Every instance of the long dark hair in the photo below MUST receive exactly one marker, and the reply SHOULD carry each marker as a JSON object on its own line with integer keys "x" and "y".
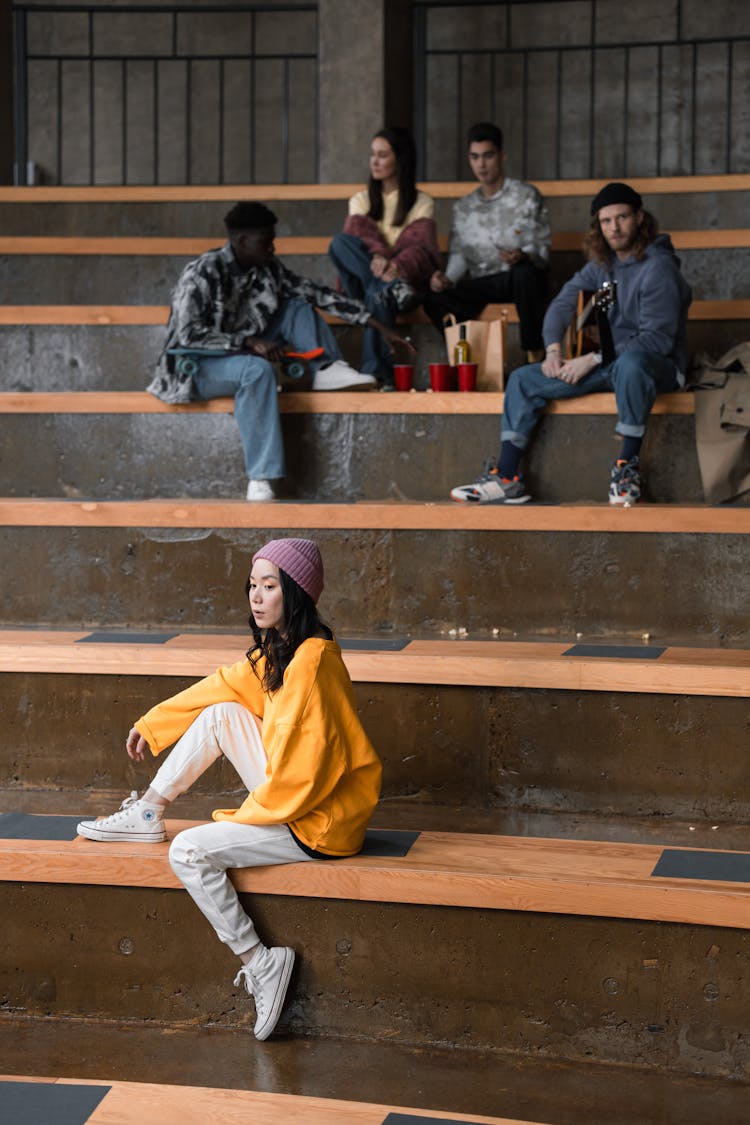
{"x": 597, "y": 249}
{"x": 301, "y": 620}
{"x": 405, "y": 151}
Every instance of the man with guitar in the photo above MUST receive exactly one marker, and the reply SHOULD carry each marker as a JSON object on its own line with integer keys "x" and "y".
{"x": 640, "y": 302}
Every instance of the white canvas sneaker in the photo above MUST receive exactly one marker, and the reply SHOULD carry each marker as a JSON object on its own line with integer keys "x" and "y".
{"x": 266, "y": 979}
{"x": 134, "y": 821}
{"x": 339, "y": 376}
{"x": 260, "y": 492}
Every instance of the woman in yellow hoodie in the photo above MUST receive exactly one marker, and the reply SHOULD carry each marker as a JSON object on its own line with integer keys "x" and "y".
{"x": 286, "y": 719}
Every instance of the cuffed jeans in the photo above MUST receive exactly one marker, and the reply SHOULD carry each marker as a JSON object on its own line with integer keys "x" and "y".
{"x": 251, "y": 380}
{"x": 352, "y": 260}
{"x": 200, "y": 856}
{"x": 636, "y": 377}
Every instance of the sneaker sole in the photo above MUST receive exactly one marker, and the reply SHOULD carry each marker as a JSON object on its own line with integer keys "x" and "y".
{"x": 347, "y": 387}
{"x": 466, "y": 500}
{"x": 278, "y": 1003}
{"x": 621, "y": 501}
{"x": 121, "y": 837}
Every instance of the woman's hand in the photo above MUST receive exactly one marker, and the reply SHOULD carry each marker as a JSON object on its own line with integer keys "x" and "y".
{"x": 378, "y": 265}
{"x": 391, "y": 273}
{"x": 136, "y": 746}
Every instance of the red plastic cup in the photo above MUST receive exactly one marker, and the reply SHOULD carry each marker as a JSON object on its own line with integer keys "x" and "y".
{"x": 467, "y": 376}
{"x": 442, "y": 376}
{"x": 403, "y": 376}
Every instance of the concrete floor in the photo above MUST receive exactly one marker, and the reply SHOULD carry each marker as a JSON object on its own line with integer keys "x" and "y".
{"x": 454, "y": 1080}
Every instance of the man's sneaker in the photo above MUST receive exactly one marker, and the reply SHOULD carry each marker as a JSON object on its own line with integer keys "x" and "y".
{"x": 134, "y": 822}
{"x": 625, "y": 482}
{"x": 260, "y": 492}
{"x": 491, "y": 488}
{"x": 266, "y": 979}
{"x": 339, "y": 376}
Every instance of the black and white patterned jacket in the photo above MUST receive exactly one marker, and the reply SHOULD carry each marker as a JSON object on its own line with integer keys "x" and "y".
{"x": 216, "y": 304}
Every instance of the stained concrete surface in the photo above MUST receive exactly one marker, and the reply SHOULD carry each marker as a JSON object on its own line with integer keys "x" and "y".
{"x": 654, "y": 994}
{"x": 330, "y": 457}
{"x": 382, "y": 583}
{"x": 441, "y": 1079}
{"x": 471, "y": 756}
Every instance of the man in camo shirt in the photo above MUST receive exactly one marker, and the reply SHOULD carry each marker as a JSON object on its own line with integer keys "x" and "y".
{"x": 234, "y": 311}
{"x": 499, "y": 246}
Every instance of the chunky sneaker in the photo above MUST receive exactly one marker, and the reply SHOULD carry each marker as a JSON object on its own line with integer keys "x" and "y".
{"x": 134, "y": 822}
{"x": 625, "y": 482}
{"x": 266, "y": 979}
{"x": 339, "y": 376}
{"x": 260, "y": 492}
{"x": 491, "y": 488}
{"x": 402, "y": 295}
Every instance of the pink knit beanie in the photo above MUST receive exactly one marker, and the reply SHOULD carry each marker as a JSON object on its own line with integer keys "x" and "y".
{"x": 301, "y": 560}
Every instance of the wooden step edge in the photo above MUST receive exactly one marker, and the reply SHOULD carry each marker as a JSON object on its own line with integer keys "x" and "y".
{"x": 144, "y": 315}
{"x": 546, "y": 876}
{"x": 389, "y": 516}
{"x": 318, "y": 402}
{"x": 729, "y": 677}
{"x": 438, "y": 189}
{"x": 138, "y": 1103}
{"x": 311, "y": 245}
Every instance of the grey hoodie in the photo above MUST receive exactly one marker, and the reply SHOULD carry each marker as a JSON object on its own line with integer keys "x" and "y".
{"x": 650, "y": 311}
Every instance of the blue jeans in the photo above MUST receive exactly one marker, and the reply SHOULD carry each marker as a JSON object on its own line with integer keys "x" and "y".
{"x": 352, "y": 260}
{"x": 251, "y": 380}
{"x": 636, "y": 377}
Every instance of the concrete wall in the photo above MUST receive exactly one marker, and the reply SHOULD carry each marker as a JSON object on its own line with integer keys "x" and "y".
{"x": 581, "y": 87}
{"x": 590, "y": 87}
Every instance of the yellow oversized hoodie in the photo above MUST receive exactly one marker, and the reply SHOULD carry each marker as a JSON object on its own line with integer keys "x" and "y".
{"x": 323, "y": 775}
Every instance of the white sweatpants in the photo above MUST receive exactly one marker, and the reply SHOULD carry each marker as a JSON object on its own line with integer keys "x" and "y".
{"x": 200, "y": 856}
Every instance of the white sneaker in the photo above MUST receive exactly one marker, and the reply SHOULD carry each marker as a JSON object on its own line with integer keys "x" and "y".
{"x": 260, "y": 492}
{"x": 266, "y": 978}
{"x": 134, "y": 821}
{"x": 339, "y": 376}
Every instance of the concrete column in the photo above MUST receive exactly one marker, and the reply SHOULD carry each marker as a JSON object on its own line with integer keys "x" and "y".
{"x": 365, "y": 75}
{"x": 6, "y": 92}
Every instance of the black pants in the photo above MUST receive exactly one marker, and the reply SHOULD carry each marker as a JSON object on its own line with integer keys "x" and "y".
{"x": 524, "y": 285}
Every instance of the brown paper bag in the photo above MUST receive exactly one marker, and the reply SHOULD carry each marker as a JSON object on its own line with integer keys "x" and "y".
{"x": 487, "y": 343}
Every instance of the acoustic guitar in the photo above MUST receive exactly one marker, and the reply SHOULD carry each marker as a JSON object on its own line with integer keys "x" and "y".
{"x": 583, "y": 334}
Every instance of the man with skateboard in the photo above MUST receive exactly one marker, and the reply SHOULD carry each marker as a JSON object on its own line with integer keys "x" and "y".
{"x": 642, "y": 317}
{"x": 236, "y": 312}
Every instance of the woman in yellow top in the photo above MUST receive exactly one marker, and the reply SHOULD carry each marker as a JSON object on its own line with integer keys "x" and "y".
{"x": 285, "y": 717}
{"x": 388, "y": 250}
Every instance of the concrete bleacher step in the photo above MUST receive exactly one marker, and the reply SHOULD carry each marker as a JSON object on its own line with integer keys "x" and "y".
{"x": 133, "y": 1103}
{"x": 142, "y": 269}
{"x": 553, "y": 748}
{"x": 161, "y": 564}
{"x": 416, "y": 445}
{"x": 490, "y": 944}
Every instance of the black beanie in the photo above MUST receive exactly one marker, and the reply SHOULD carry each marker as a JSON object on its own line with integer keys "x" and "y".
{"x": 616, "y": 193}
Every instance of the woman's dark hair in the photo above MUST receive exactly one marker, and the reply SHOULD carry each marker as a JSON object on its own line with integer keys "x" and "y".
{"x": 405, "y": 151}
{"x": 597, "y": 249}
{"x": 301, "y": 620}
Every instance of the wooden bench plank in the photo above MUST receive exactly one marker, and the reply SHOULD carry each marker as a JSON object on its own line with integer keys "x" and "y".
{"x": 380, "y": 515}
{"x": 711, "y": 239}
{"x": 590, "y": 878}
{"x": 158, "y": 314}
{"x": 312, "y": 402}
{"x": 495, "y": 663}
{"x": 136, "y": 1103}
{"x": 439, "y": 189}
